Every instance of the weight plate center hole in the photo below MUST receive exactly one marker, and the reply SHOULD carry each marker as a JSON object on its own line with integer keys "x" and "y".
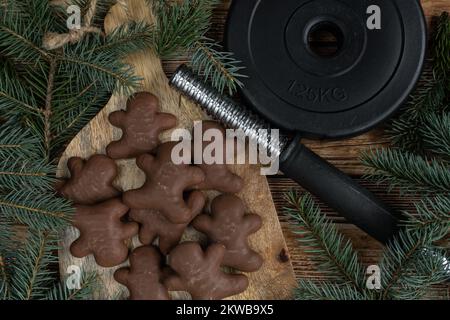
{"x": 325, "y": 39}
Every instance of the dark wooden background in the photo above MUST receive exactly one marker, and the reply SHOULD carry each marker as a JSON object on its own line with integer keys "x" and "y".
{"x": 345, "y": 155}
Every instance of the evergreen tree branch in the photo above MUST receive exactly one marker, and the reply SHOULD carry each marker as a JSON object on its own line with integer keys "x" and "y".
{"x": 114, "y": 76}
{"x": 430, "y": 268}
{"x": 310, "y": 290}
{"x": 432, "y": 95}
{"x": 180, "y": 25}
{"x": 128, "y": 38}
{"x": 219, "y": 67}
{"x": 433, "y": 214}
{"x": 38, "y": 210}
{"x": 6, "y": 241}
{"x": 16, "y": 142}
{"x": 14, "y": 96}
{"x": 31, "y": 267}
{"x": 410, "y": 172}
{"x": 61, "y": 292}
{"x": 48, "y": 107}
{"x": 410, "y": 265}
{"x": 322, "y": 240}
{"x": 71, "y": 116}
{"x": 436, "y": 134}
{"x": 441, "y": 48}
{"x": 19, "y": 39}
{"x": 26, "y": 174}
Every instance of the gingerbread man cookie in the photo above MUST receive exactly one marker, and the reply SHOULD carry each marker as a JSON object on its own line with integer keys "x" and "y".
{"x": 103, "y": 233}
{"x": 165, "y": 184}
{"x": 218, "y": 176}
{"x": 90, "y": 181}
{"x": 155, "y": 225}
{"x": 141, "y": 123}
{"x": 143, "y": 277}
{"x": 199, "y": 273}
{"x": 230, "y": 226}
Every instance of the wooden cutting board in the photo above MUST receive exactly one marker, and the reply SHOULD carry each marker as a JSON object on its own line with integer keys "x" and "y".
{"x": 276, "y": 279}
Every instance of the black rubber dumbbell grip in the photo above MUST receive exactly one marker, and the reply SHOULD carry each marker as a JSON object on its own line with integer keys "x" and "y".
{"x": 338, "y": 191}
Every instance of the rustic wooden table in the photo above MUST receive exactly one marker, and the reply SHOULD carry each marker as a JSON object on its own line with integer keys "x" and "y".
{"x": 345, "y": 155}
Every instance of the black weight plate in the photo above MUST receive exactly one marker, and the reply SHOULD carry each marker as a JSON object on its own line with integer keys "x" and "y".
{"x": 346, "y": 94}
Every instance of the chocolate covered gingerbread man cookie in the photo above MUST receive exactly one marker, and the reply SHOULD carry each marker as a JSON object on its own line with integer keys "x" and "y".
{"x": 155, "y": 225}
{"x": 230, "y": 226}
{"x": 103, "y": 233}
{"x": 143, "y": 277}
{"x": 218, "y": 176}
{"x": 199, "y": 273}
{"x": 90, "y": 181}
{"x": 141, "y": 123}
{"x": 165, "y": 184}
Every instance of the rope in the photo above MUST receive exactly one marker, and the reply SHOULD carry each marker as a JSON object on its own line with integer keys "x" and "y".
{"x": 54, "y": 40}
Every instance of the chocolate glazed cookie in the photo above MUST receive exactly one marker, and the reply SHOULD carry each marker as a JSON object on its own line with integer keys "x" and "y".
{"x": 143, "y": 277}
{"x": 90, "y": 181}
{"x": 165, "y": 184}
{"x": 218, "y": 176}
{"x": 199, "y": 273}
{"x": 155, "y": 225}
{"x": 103, "y": 233}
{"x": 141, "y": 123}
{"x": 230, "y": 226}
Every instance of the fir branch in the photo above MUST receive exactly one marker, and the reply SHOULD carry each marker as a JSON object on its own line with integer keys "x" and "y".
{"x": 431, "y": 268}
{"x": 410, "y": 172}
{"x": 410, "y": 265}
{"x": 71, "y": 115}
{"x": 327, "y": 246}
{"x": 6, "y": 241}
{"x": 83, "y": 67}
{"x": 432, "y": 95}
{"x": 87, "y": 286}
{"x": 15, "y": 97}
{"x": 19, "y": 173}
{"x": 128, "y": 38}
{"x": 436, "y": 134}
{"x": 15, "y": 142}
{"x": 432, "y": 214}
{"x": 19, "y": 39}
{"x": 32, "y": 274}
{"x": 310, "y": 290}
{"x": 48, "y": 107}
{"x": 219, "y": 67}
{"x": 441, "y": 48}
{"x": 180, "y": 25}
{"x": 39, "y": 210}
{"x": 37, "y": 12}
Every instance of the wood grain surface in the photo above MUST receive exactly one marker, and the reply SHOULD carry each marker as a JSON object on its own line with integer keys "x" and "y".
{"x": 276, "y": 278}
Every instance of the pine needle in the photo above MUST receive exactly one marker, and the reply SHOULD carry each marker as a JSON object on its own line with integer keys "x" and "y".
{"x": 60, "y": 291}
{"x": 180, "y": 24}
{"x": 219, "y": 67}
{"x": 436, "y": 134}
{"x": 322, "y": 241}
{"x": 408, "y": 171}
{"x": 32, "y": 274}
{"x": 310, "y": 290}
{"x": 431, "y": 213}
{"x": 40, "y": 211}
{"x": 410, "y": 265}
